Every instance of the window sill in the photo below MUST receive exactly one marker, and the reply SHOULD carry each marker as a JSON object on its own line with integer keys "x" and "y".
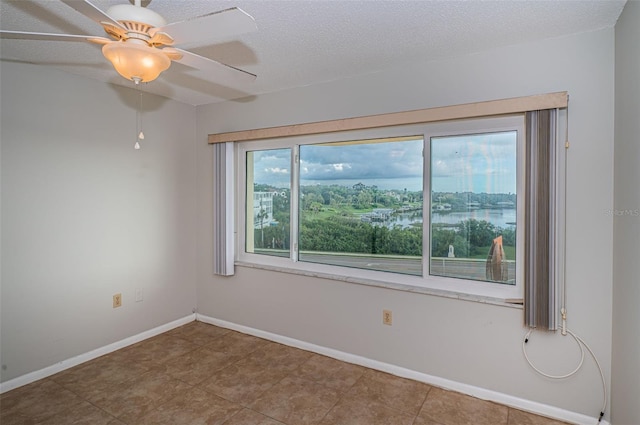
{"x": 387, "y": 285}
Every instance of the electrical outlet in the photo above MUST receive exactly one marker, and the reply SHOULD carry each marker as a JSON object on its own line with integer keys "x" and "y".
{"x": 139, "y": 295}
{"x": 387, "y": 317}
{"x": 117, "y": 300}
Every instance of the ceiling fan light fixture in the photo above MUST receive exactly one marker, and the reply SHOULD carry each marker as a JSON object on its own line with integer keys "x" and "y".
{"x": 136, "y": 61}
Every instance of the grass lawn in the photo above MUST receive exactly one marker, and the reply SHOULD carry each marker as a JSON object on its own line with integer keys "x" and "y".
{"x": 342, "y": 210}
{"x": 509, "y": 252}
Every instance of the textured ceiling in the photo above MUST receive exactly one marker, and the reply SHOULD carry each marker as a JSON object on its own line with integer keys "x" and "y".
{"x": 305, "y": 42}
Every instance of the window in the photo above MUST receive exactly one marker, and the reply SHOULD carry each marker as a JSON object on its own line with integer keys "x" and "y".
{"x": 360, "y": 204}
{"x": 268, "y": 200}
{"x": 473, "y": 206}
{"x": 432, "y": 205}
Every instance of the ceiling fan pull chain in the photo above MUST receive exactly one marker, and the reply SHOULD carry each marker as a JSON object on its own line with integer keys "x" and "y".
{"x": 140, "y": 134}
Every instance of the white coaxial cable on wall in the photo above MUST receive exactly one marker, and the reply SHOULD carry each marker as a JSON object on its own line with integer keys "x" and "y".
{"x": 582, "y": 345}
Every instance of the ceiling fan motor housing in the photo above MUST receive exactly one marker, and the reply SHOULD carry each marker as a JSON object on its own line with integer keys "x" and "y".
{"x": 136, "y": 19}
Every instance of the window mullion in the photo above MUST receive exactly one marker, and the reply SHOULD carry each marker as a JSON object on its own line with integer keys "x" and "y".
{"x": 294, "y": 202}
{"x": 426, "y": 205}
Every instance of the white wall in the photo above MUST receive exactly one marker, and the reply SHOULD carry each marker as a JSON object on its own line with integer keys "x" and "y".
{"x": 85, "y": 216}
{"x": 468, "y": 342}
{"x": 625, "y": 380}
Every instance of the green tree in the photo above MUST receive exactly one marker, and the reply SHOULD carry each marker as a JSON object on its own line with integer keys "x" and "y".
{"x": 441, "y": 238}
{"x": 364, "y": 200}
{"x": 479, "y": 232}
{"x": 262, "y": 214}
{"x": 508, "y": 236}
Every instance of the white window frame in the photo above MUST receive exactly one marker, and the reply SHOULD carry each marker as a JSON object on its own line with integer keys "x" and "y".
{"x": 454, "y": 287}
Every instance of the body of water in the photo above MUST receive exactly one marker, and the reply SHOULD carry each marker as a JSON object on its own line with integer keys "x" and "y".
{"x": 498, "y": 217}
{"x": 504, "y": 218}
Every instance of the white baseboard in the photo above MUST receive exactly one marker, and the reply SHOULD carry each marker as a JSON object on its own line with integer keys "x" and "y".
{"x": 482, "y": 393}
{"x": 75, "y": 361}
{"x": 478, "y": 392}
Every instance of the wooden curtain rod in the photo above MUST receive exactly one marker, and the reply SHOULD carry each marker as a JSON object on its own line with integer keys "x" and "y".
{"x": 444, "y": 113}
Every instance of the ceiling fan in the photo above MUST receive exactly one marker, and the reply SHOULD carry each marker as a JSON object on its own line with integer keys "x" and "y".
{"x": 140, "y": 47}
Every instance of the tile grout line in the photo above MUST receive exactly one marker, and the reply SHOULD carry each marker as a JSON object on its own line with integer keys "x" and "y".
{"x": 423, "y": 402}
{"x": 83, "y": 399}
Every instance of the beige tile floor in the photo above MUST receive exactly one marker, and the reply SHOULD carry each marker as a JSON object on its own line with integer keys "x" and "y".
{"x": 203, "y": 374}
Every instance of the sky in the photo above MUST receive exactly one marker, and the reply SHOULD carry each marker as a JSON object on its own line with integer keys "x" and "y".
{"x": 473, "y": 163}
{"x": 481, "y": 163}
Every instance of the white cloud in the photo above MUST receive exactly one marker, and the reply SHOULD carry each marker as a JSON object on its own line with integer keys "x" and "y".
{"x": 276, "y": 170}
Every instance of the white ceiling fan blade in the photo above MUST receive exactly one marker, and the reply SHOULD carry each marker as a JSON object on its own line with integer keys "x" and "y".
{"x": 213, "y": 26}
{"x": 22, "y": 35}
{"x": 91, "y": 11}
{"x": 221, "y": 73}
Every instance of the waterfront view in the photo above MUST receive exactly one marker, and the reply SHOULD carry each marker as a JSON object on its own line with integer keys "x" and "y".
{"x": 361, "y": 204}
{"x": 364, "y": 227}
{"x": 503, "y": 218}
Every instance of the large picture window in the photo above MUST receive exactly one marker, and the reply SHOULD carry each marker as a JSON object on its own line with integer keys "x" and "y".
{"x": 435, "y": 205}
{"x": 361, "y": 204}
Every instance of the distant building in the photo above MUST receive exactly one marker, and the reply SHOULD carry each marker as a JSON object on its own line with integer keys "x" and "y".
{"x": 441, "y": 207}
{"x": 377, "y": 215}
{"x": 506, "y": 204}
{"x": 262, "y": 209}
{"x": 473, "y": 205}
